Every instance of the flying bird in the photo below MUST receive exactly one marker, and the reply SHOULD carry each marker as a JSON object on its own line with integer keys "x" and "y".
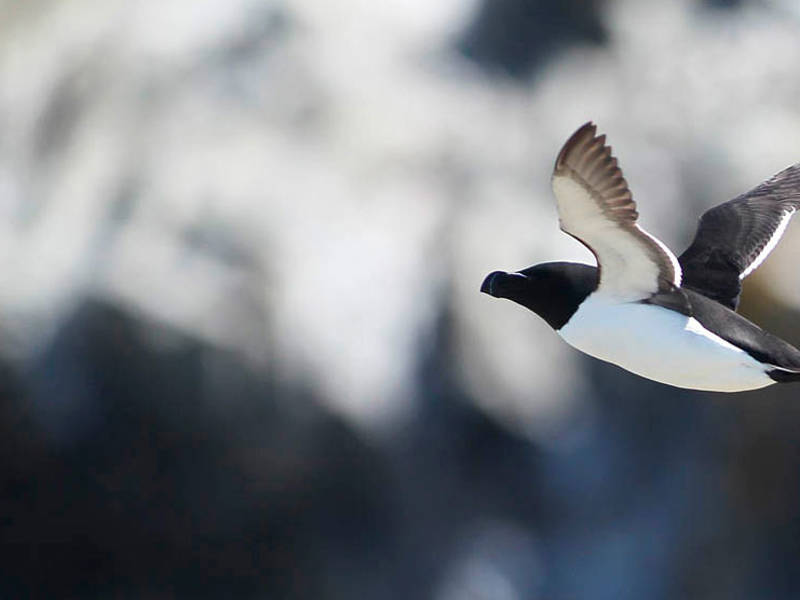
{"x": 668, "y": 319}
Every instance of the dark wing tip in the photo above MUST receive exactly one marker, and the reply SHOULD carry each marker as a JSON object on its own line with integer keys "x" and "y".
{"x": 586, "y": 157}
{"x": 584, "y": 134}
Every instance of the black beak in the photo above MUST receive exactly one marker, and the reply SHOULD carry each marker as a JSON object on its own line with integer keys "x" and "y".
{"x": 490, "y": 285}
{"x": 500, "y": 284}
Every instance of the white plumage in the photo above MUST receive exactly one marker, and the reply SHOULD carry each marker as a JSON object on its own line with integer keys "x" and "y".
{"x": 662, "y": 345}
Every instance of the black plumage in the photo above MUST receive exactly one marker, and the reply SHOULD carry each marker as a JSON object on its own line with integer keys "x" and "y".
{"x": 688, "y": 334}
{"x": 731, "y": 237}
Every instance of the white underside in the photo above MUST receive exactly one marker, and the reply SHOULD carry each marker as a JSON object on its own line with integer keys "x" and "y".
{"x": 662, "y": 345}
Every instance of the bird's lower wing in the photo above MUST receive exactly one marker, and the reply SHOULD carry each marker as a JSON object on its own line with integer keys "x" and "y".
{"x": 734, "y": 238}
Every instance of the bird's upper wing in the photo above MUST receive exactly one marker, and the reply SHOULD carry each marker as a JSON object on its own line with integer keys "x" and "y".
{"x": 734, "y": 238}
{"x": 595, "y": 206}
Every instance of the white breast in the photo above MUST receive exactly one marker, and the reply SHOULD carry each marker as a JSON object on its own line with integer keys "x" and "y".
{"x": 662, "y": 345}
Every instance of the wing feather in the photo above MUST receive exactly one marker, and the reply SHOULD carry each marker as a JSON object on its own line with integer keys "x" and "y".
{"x": 596, "y": 207}
{"x": 735, "y": 237}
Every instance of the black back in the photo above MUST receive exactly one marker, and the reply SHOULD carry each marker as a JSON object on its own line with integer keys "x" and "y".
{"x": 554, "y": 291}
{"x": 733, "y": 328}
{"x": 731, "y": 237}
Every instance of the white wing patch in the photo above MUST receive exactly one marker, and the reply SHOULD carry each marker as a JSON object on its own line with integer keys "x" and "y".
{"x": 770, "y": 245}
{"x": 625, "y": 253}
{"x": 694, "y": 326}
{"x": 676, "y": 265}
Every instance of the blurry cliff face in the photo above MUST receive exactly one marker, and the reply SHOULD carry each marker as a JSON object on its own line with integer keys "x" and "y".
{"x": 308, "y": 183}
{"x": 240, "y": 249}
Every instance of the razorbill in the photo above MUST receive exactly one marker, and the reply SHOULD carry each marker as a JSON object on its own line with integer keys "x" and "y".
{"x": 669, "y": 319}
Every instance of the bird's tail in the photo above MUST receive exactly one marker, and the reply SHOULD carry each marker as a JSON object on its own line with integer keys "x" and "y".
{"x": 784, "y": 375}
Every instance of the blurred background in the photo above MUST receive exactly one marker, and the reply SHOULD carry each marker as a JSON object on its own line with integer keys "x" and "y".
{"x": 242, "y": 348}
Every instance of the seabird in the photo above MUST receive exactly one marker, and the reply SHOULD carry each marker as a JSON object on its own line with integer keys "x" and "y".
{"x": 668, "y": 319}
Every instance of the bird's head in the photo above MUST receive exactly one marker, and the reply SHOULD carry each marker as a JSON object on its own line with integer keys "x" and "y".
{"x": 551, "y": 290}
